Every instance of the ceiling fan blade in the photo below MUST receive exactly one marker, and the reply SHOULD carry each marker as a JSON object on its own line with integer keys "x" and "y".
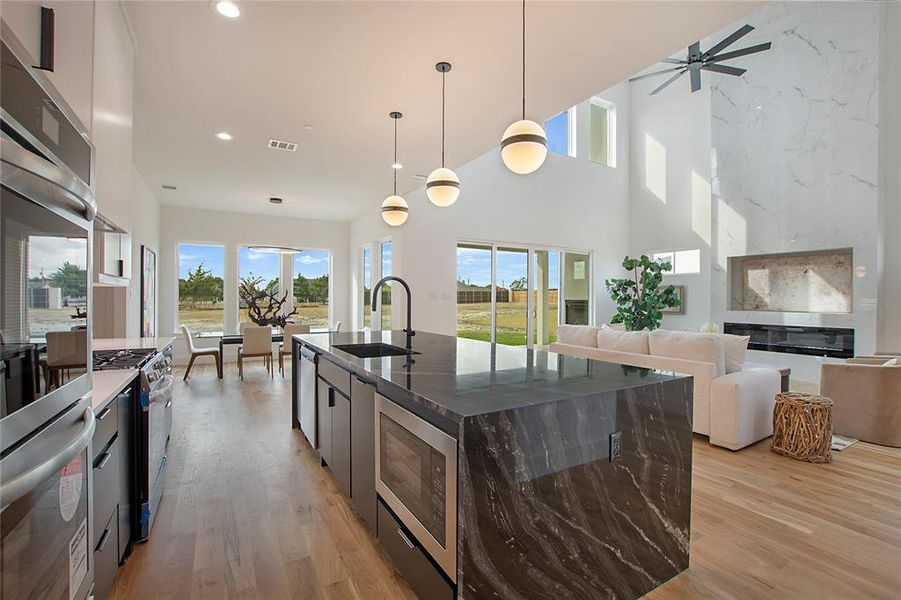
{"x": 673, "y": 61}
{"x": 694, "y": 51}
{"x": 646, "y": 75}
{"x": 742, "y": 52}
{"x": 695, "y": 80}
{"x": 725, "y": 69}
{"x": 729, "y": 40}
{"x": 669, "y": 81}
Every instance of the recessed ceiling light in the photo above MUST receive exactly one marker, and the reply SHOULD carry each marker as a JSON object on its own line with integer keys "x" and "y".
{"x": 397, "y": 165}
{"x": 227, "y": 9}
{"x": 275, "y": 200}
{"x": 224, "y": 136}
{"x": 308, "y": 127}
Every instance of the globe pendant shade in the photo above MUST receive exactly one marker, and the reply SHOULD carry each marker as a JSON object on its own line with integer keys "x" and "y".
{"x": 442, "y": 187}
{"x": 524, "y": 147}
{"x": 394, "y": 211}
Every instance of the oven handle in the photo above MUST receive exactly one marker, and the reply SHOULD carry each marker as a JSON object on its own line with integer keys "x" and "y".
{"x": 14, "y": 489}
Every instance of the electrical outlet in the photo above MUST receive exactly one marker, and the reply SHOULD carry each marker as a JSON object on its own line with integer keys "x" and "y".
{"x": 616, "y": 445}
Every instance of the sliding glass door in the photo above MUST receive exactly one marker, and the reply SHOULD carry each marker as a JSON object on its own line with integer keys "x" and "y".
{"x": 511, "y": 295}
{"x": 545, "y": 296}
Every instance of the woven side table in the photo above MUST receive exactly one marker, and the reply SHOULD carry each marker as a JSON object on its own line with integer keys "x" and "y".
{"x": 802, "y": 427}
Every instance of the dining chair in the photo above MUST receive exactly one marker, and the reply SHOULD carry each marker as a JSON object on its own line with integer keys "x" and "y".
{"x": 287, "y": 346}
{"x": 65, "y": 350}
{"x": 195, "y": 352}
{"x": 337, "y": 326}
{"x": 257, "y": 343}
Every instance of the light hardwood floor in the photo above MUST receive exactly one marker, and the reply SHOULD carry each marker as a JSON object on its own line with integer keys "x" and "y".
{"x": 248, "y": 513}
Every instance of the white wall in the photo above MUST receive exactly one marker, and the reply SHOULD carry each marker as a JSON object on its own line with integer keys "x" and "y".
{"x": 237, "y": 229}
{"x": 670, "y": 185}
{"x": 889, "y": 331}
{"x": 145, "y": 232}
{"x": 569, "y": 202}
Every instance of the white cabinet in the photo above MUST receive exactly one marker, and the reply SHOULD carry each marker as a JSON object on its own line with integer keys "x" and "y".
{"x": 73, "y": 69}
{"x": 112, "y": 124}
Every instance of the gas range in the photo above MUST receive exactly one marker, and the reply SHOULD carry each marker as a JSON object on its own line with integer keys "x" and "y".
{"x": 122, "y": 359}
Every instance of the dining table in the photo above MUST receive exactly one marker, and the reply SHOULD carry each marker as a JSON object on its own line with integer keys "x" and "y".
{"x": 233, "y": 339}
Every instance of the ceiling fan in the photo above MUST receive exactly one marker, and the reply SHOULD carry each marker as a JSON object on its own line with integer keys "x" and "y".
{"x": 707, "y": 61}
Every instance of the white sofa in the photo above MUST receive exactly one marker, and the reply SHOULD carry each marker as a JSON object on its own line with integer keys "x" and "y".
{"x": 733, "y": 404}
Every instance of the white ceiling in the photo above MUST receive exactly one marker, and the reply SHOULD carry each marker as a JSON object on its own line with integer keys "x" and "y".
{"x": 342, "y": 66}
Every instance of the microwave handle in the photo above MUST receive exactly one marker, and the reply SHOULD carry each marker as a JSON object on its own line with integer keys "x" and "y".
{"x": 20, "y": 485}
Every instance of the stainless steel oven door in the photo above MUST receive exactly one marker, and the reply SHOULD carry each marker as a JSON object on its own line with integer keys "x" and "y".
{"x": 416, "y": 475}
{"x": 46, "y": 548}
{"x": 45, "y": 233}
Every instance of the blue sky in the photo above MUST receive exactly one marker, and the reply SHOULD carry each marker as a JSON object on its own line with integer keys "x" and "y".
{"x": 191, "y": 255}
{"x": 474, "y": 266}
{"x": 556, "y": 131}
{"x": 261, "y": 263}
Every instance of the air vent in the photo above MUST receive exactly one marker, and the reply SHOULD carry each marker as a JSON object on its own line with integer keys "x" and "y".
{"x": 167, "y": 186}
{"x": 275, "y": 200}
{"x": 280, "y": 145}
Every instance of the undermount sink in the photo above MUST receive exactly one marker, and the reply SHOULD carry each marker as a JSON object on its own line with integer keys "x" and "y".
{"x": 374, "y": 350}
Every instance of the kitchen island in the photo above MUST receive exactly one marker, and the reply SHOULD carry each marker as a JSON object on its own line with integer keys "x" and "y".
{"x": 573, "y": 476}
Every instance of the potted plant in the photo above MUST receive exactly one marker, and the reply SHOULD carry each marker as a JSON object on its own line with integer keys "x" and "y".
{"x": 640, "y": 300}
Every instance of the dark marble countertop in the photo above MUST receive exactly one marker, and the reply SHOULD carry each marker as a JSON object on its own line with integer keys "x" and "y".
{"x": 455, "y": 378}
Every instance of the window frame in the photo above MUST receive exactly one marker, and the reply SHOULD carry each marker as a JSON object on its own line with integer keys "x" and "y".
{"x": 571, "y": 116}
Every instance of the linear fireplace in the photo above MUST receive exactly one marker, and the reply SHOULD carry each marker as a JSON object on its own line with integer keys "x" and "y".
{"x": 833, "y": 342}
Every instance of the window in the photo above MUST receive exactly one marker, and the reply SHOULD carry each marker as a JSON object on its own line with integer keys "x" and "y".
{"x": 474, "y": 292}
{"x": 311, "y": 287}
{"x": 200, "y": 296}
{"x": 684, "y": 262}
{"x": 560, "y": 131}
{"x": 367, "y": 285}
{"x": 511, "y": 295}
{"x": 386, "y": 289}
{"x": 258, "y": 271}
{"x": 602, "y": 131}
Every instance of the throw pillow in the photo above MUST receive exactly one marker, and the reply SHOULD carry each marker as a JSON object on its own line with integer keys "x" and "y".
{"x": 635, "y": 342}
{"x": 578, "y": 335}
{"x": 699, "y": 347}
{"x": 734, "y": 348}
{"x": 891, "y": 363}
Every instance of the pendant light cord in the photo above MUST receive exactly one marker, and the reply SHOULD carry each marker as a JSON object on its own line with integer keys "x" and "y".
{"x": 443, "y": 100}
{"x": 395, "y": 157}
{"x": 524, "y": 60}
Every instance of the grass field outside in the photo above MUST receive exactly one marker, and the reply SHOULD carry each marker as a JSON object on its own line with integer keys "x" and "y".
{"x": 210, "y": 319}
{"x": 474, "y": 322}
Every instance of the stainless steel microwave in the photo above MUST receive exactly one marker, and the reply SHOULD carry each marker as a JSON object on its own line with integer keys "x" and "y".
{"x": 416, "y": 475}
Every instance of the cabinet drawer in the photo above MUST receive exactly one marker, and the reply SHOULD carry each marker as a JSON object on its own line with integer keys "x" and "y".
{"x": 410, "y": 560}
{"x": 335, "y": 375}
{"x": 106, "y": 486}
{"x": 107, "y": 426}
{"x": 106, "y": 556}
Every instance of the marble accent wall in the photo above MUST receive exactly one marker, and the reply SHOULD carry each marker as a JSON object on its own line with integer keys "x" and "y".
{"x": 794, "y": 151}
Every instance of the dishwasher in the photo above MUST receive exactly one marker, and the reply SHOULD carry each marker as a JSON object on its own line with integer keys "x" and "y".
{"x": 306, "y": 398}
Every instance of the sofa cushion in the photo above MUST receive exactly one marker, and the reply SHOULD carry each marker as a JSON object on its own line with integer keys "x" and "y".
{"x": 703, "y": 347}
{"x": 578, "y": 335}
{"x": 734, "y": 349}
{"x": 616, "y": 326}
{"x": 635, "y": 342}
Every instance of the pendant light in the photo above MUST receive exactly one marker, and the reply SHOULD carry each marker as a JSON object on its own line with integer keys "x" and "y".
{"x": 524, "y": 144}
{"x": 443, "y": 185}
{"x": 394, "y": 208}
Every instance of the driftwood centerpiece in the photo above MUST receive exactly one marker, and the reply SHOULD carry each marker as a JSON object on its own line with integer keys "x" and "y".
{"x": 264, "y": 307}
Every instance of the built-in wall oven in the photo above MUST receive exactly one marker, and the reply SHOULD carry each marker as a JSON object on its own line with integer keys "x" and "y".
{"x": 46, "y": 421}
{"x": 416, "y": 476}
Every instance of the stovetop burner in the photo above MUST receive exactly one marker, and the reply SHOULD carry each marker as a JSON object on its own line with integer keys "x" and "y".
{"x": 122, "y": 359}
